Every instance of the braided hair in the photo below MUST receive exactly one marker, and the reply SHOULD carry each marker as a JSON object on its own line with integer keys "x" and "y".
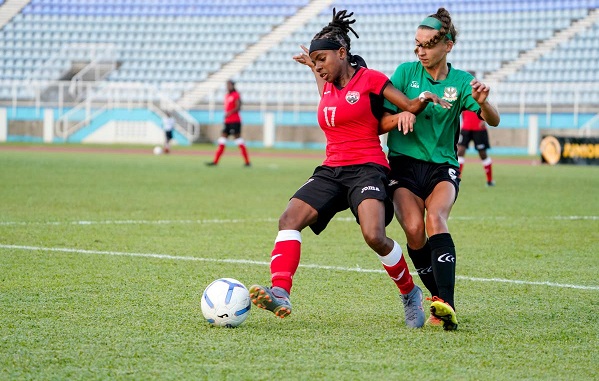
{"x": 446, "y": 32}
{"x": 338, "y": 31}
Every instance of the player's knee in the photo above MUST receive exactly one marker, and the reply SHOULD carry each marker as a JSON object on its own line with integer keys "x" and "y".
{"x": 239, "y": 141}
{"x": 414, "y": 231}
{"x": 222, "y": 141}
{"x": 436, "y": 222}
{"x": 293, "y": 221}
{"x": 375, "y": 239}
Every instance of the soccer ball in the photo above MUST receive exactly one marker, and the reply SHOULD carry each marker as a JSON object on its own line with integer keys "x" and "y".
{"x": 157, "y": 150}
{"x": 226, "y": 303}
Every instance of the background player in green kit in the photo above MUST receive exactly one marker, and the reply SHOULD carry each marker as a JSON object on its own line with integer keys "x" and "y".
{"x": 424, "y": 174}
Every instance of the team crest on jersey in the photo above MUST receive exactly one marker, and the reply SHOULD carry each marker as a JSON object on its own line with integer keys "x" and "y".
{"x": 352, "y": 97}
{"x": 415, "y": 85}
{"x": 450, "y": 94}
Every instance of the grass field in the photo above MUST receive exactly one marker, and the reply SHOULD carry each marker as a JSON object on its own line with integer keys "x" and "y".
{"x": 104, "y": 255}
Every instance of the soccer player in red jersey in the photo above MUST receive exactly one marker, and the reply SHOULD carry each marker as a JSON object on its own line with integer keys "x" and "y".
{"x": 353, "y": 174}
{"x": 232, "y": 105}
{"x": 475, "y": 129}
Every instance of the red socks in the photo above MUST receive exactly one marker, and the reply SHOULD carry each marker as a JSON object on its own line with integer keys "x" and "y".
{"x": 244, "y": 153}
{"x": 397, "y": 268}
{"x": 285, "y": 258}
{"x": 488, "y": 166}
{"x": 219, "y": 152}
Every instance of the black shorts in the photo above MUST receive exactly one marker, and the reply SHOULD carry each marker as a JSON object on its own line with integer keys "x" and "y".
{"x": 232, "y": 128}
{"x": 480, "y": 139}
{"x": 420, "y": 177}
{"x": 169, "y": 134}
{"x": 333, "y": 189}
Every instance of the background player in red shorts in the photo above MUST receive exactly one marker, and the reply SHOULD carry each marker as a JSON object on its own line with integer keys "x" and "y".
{"x": 475, "y": 129}
{"x": 232, "y": 105}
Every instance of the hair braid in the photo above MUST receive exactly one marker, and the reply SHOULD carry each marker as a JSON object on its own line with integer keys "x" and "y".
{"x": 447, "y": 27}
{"x": 338, "y": 30}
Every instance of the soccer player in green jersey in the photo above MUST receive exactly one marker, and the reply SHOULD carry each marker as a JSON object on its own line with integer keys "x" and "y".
{"x": 424, "y": 174}
{"x": 353, "y": 174}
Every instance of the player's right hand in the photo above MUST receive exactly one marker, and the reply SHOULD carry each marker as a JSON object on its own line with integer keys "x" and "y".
{"x": 304, "y": 58}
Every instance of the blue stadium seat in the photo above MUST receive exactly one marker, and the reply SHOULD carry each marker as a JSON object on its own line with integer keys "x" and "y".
{"x": 184, "y": 41}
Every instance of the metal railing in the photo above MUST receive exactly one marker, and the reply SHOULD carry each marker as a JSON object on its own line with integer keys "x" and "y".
{"x": 103, "y": 96}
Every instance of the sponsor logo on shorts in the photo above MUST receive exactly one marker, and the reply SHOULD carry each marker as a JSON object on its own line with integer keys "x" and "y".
{"x": 393, "y": 182}
{"x": 452, "y": 174}
{"x": 370, "y": 188}
{"x": 307, "y": 182}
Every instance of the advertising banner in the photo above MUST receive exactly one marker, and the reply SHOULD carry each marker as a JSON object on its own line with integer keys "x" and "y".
{"x": 569, "y": 150}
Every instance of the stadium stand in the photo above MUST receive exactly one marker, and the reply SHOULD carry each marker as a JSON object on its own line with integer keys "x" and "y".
{"x": 182, "y": 50}
{"x": 488, "y": 40}
{"x": 172, "y": 43}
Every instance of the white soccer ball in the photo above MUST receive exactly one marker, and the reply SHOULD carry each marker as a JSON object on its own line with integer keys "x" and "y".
{"x": 157, "y": 150}
{"x": 226, "y": 303}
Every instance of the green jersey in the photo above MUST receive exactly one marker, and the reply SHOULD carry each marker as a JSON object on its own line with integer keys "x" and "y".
{"x": 436, "y": 130}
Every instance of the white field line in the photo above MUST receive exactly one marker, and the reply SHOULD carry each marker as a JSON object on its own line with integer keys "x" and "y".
{"x": 239, "y": 221}
{"x": 262, "y": 263}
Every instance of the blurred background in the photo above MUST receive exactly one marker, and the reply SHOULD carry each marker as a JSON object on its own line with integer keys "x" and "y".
{"x": 106, "y": 71}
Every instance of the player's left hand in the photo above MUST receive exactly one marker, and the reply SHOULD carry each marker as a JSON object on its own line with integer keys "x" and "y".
{"x": 405, "y": 122}
{"x": 480, "y": 91}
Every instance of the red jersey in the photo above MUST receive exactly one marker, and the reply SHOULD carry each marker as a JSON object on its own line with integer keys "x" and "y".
{"x": 231, "y": 100}
{"x": 347, "y": 117}
{"x": 471, "y": 121}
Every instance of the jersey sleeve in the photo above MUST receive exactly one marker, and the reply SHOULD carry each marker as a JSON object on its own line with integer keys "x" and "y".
{"x": 377, "y": 82}
{"x": 468, "y": 103}
{"x": 397, "y": 79}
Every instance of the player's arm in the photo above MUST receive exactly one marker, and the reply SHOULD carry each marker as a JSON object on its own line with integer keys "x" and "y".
{"x": 403, "y": 121}
{"x": 489, "y": 113}
{"x": 415, "y": 105}
{"x": 304, "y": 59}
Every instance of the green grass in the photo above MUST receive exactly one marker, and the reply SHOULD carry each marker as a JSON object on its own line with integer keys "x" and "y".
{"x": 82, "y": 297}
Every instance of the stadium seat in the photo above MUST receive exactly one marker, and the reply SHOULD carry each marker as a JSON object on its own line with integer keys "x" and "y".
{"x": 185, "y": 41}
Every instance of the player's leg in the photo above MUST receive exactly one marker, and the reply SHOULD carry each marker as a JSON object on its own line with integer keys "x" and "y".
{"x": 242, "y": 148}
{"x": 443, "y": 255}
{"x": 314, "y": 204}
{"x": 487, "y": 164}
{"x": 371, "y": 214}
{"x": 462, "y": 151}
{"x": 482, "y": 145}
{"x": 168, "y": 135}
{"x": 409, "y": 211}
{"x": 285, "y": 258}
{"x": 222, "y": 141}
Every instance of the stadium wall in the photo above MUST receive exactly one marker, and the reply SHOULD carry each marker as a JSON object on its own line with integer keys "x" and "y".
{"x": 297, "y": 130}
